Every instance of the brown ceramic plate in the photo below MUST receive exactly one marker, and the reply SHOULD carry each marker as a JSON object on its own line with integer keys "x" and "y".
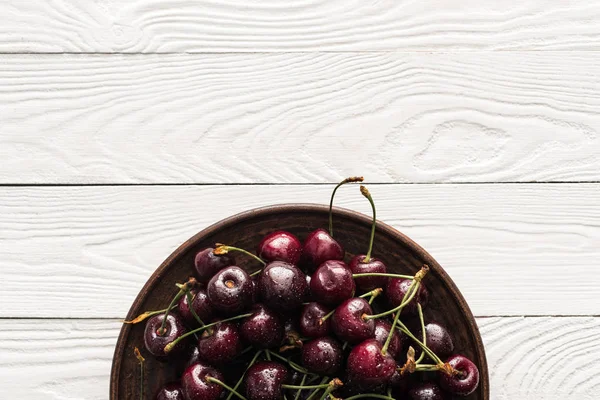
{"x": 245, "y": 230}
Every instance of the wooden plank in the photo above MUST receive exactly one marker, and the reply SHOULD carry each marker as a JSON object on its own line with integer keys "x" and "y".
{"x": 530, "y": 249}
{"x": 309, "y": 25}
{"x": 300, "y": 118}
{"x": 529, "y": 358}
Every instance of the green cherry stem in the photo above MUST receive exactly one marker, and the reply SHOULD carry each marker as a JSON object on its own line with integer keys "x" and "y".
{"x": 326, "y": 317}
{"x": 347, "y": 180}
{"x": 401, "y": 327}
{"x": 145, "y": 315}
{"x": 170, "y": 346}
{"x": 182, "y": 289}
{"x": 221, "y": 248}
{"x": 223, "y": 384}
{"x": 239, "y": 382}
{"x": 366, "y": 193}
{"x": 288, "y": 361}
{"x": 386, "y": 345}
{"x": 302, "y": 382}
{"x": 323, "y": 386}
{"x": 420, "y": 311}
{"x": 190, "y": 299}
{"x": 410, "y": 294}
{"x": 325, "y": 379}
{"x": 141, "y": 360}
{"x": 373, "y": 294}
{"x": 383, "y": 274}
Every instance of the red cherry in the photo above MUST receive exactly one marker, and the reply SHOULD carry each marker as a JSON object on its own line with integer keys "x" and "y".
{"x": 319, "y": 247}
{"x": 348, "y": 322}
{"x": 367, "y": 366}
{"x": 465, "y": 381}
{"x": 196, "y": 386}
{"x": 332, "y": 283}
{"x": 280, "y": 246}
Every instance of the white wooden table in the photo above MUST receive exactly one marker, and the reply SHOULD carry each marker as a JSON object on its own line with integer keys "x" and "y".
{"x": 128, "y": 126}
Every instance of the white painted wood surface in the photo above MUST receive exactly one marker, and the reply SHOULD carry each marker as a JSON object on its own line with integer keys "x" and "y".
{"x": 307, "y": 92}
{"x": 300, "y": 118}
{"x": 531, "y": 358}
{"x": 307, "y": 25}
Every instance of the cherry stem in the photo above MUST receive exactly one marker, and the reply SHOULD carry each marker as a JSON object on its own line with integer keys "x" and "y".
{"x": 288, "y": 361}
{"x": 223, "y": 384}
{"x": 326, "y": 317}
{"x": 373, "y": 293}
{"x": 325, "y": 379}
{"x": 182, "y": 289}
{"x": 420, "y": 311}
{"x": 390, "y": 334}
{"x": 411, "y": 294}
{"x": 369, "y": 395}
{"x": 141, "y": 359}
{"x": 190, "y": 300}
{"x": 366, "y": 193}
{"x": 170, "y": 346}
{"x": 426, "y": 349}
{"x": 347, "y": 180}
{"x": 302, "y": 382}
{"x": 224, "y": 249}
{"x": 239, "y": 382}
{"x": 145, "y": 315}
{"x": 382, "y": 274}
{"x": 323, "y": 386}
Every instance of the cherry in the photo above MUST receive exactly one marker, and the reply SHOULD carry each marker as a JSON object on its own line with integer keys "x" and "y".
{"x": 280, "y": 246}
{"x": 193, "y": 357}
{"x": 367, "y": 366}
{"x": 311, "y": 324}
{"x": 207, "y": 263}
{"x": 282, "y": 286}
{"x": 196, "y": 385}
{"x": 426, "y": 391}
{"x": 155, "y": 342}
{"x": 358, "y": 265}
{"x": 171, "y": 391}
{"x": 319, "y": 247}
{"x": 438, "y": 338}
{"x": 230, "y": 290}
{"x": 396, "y": 290}
{"x": 220, "y": 344}
{"x": 465, "y": 380}
{"x": 348, "y": 322}
{"x": 323, "y": 356}
{"x": 200, "y": 305}
{"x": 382, "y": 331}
{"x": 398, "y": 382}
{"x": 332, "y": 283}
{"x": 264, "y": 381}
{"x": 263, "y": 329}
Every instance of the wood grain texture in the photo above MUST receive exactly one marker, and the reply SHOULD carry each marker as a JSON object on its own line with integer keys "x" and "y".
{"x": 530, "y": 249}
{"x": 304, "y": 118}
{"x": 308, "y": 25}
{"x": 529, "y": 358}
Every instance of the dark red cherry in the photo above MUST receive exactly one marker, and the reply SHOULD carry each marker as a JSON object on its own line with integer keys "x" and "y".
{"x": 374, "y": 265}
{"x": 155, "y": 342}
{"x": 348, "y": 322}
{"x": 192, "y": 357}
{"x": 319, "y": 247}
{"x": 263, "y": 329}
{"x": 230, "y": 290}
{"x": 200, "y": 304}
{"x": 399, "y": 383}
{"x": 465, "y": 381}
{"x": 396, "y": 290}
{"x": 382, "y": 330}
{"x": 196, "y": 386}
{"x": 332, "y": 283}
{"x": 171, "y": 391}
{"x": 310, "y": 320}
{"x": 208, "y": 263}
{"x": 264, "y": 380}
{"x": 220, "y": 344}
{"x": 426, "y": 391}
{"x": 280, "y": 246}
{"x": 323, "y": 356}
{"x": 367, "y": 366}
{"x": 282, "y": 286}
{"x": 439, "y": 340}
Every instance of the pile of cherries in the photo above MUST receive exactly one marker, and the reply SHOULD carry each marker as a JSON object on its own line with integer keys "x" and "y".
{"x": 304, "y": 325}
